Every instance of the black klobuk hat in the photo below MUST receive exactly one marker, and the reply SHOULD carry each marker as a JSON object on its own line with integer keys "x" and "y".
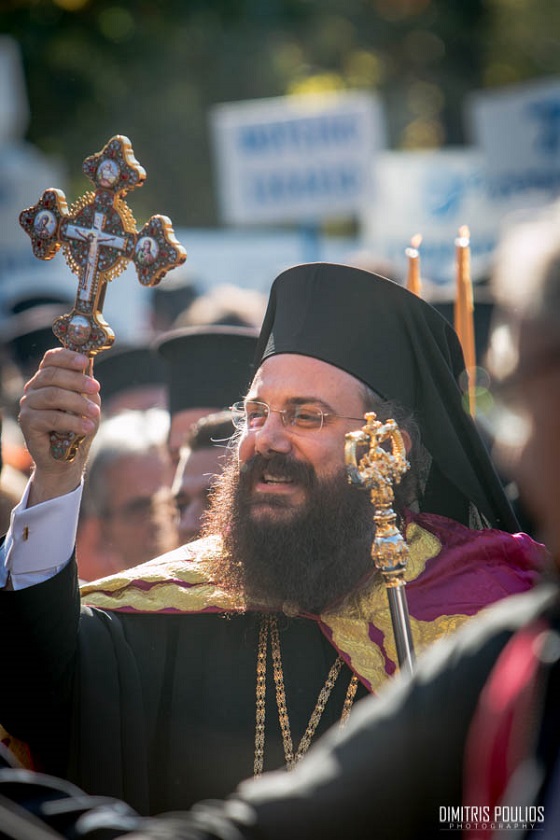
{"x": 208, "y": 366}
{"x": 125, "y": 367}
{"x": 405, "y": 351}
{"x": 28, "y": 335}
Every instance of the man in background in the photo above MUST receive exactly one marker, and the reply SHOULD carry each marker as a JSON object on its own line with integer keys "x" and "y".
{"x": 201, "y": 461}
{"x": 127, "y": 514}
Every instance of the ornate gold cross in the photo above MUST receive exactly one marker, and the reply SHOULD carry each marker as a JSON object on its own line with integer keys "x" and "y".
{"x": 98, "y": 237}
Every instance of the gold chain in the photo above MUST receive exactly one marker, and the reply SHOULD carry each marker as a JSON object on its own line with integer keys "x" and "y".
{"x": 270, "y": 624}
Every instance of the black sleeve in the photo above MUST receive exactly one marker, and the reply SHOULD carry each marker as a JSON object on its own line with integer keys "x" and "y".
{"x": 385, "y": 776}
{"x": 39, "y": 632}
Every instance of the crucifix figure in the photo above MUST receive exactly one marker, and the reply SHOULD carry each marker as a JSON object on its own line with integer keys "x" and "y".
{"x": 98, "y": 237}
{"x": 95, "y": 238}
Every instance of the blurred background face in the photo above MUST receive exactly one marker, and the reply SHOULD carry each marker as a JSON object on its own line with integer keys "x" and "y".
{"x": 180, "y": 424}
{"x": 529, "y": 443}
{"x": 139, "y": 523}
{"x": 196, "y": 473}
{"x": 538, "y": 465}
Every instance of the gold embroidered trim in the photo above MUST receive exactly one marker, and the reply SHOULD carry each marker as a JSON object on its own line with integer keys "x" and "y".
{"x": 350, "y": 627}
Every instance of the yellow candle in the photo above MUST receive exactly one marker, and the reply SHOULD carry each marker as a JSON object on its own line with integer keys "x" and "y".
{"x": 464, "y": 311}
{"x": 413, "y": 282}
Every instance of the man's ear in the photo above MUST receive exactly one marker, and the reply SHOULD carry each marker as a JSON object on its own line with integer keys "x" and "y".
{"x": 406, "y": 440}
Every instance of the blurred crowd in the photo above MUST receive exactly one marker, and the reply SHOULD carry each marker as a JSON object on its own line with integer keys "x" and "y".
{"x": 155, "y": 457}
{"x": 164, "y": 406}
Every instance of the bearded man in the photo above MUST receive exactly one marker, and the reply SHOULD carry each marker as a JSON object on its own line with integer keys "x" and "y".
{"x": 175, "y": 679}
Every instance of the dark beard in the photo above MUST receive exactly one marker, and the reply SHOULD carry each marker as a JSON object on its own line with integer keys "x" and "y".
{"x": 309, "y": 561}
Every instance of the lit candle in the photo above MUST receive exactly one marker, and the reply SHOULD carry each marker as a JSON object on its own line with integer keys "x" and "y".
{"x": 413, "y": 282}
{"x": 464, "y": 311}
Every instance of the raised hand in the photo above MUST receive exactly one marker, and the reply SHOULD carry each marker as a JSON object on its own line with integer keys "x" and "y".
{"x": 60, "y": 397}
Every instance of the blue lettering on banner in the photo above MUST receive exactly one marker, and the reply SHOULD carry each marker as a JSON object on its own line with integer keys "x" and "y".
{"x": 321, "y": 132}
{"x": 547, "y": 115}
{"x": 447, "y": 198}
{"x": 446, "y": 191}
{"x": 513, "y": 183}
{"x": 269, "y": 188}
{"x": 438, "y": 255}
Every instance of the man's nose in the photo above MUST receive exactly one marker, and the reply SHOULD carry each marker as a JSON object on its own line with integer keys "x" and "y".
{"x": 273, "y": 435}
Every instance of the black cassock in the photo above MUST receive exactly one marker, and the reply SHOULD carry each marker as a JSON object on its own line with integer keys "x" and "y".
{"x": 159, "y": 709}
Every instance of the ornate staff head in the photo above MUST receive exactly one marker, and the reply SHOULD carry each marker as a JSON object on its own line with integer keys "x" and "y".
{"x": 383, "y": 464}
{"x": 377, "y": 470}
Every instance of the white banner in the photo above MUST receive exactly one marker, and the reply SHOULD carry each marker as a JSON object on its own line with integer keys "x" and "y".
{"x": 298, "y": 159}
{"x": 518, "y": 131}
{"x": 432, "y": 194}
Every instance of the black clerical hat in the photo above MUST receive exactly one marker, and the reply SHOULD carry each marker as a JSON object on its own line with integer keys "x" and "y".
{"x": 208, "y": 366}
{"x": 28, "y": 335}
{"x": 33, "y": 299}
{"x": 125, "y": 367}
{"x": 405, "y": 351}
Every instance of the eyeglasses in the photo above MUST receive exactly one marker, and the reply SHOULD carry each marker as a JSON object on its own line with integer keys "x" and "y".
{"x": 253, "y": 414}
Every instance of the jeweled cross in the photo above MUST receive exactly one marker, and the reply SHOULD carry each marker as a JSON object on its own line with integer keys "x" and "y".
{"x": 99, "y": 238}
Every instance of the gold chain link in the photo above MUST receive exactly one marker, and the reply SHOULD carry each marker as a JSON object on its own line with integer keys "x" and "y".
{"x": 270, "y": 624}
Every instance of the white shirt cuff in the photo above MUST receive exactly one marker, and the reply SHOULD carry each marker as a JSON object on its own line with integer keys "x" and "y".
{"x": 40, "y": 540}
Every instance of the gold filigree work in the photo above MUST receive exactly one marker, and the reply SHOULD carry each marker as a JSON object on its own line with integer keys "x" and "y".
{"x": 269, "y": 626}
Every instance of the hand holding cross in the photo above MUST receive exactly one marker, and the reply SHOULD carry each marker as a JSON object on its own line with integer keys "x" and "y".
{"x": 98, "y": 237}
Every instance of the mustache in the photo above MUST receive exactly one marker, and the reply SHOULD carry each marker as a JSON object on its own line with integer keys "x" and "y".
{"x": 282, "y": 466}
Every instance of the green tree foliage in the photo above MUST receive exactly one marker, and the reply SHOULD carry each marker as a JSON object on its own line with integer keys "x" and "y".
{"x": 152, "y": 69}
